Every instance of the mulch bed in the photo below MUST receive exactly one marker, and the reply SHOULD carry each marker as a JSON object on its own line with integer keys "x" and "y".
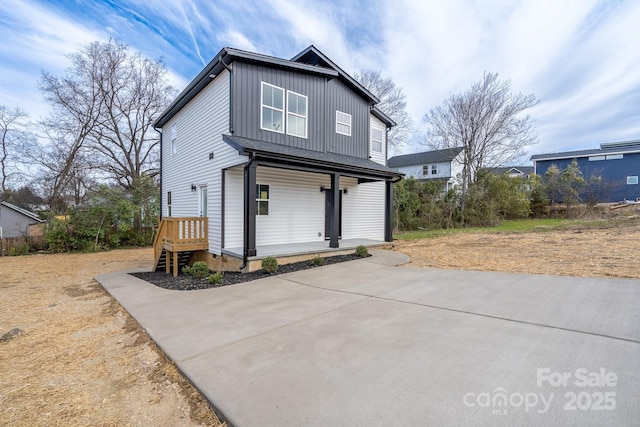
{"x": 190, "y": 283}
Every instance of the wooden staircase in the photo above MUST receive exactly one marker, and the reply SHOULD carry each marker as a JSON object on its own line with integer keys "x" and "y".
{"x": 177, "y": 240}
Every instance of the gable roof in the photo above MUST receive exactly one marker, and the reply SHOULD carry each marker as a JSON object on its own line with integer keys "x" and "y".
{"x": 524, "y": 170}
{"x": 605, "y": 148}
{"x": 313, "y": 56}
{"x": 435, "y": 156}
{"x": 310, "y": 60}
{"x": 22, "y": 211}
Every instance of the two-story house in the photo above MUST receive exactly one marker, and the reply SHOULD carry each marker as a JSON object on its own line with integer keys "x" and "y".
{"x": 616, "y": 163}
{"x": 262, "y": 156}
{"x": 441, "y": 165}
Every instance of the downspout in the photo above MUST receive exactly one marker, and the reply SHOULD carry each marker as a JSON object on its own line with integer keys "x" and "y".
{"x": 245, "y": 251}
{"x": 160, "y": 201}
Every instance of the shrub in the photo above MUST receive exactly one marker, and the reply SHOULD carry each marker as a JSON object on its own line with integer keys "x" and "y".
{"x": 21, "y": 249}
{"x": 270, "y": 264}
{"x": 216, "y": 278}
{"x": 199, "y": 269}
{"x": 362, "y": 251}
{"x": 317, "y": 261}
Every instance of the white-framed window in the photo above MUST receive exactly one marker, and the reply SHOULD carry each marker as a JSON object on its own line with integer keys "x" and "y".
{"x": 377, "y": 139}
{"x": 173, "y": 134}
{"x": 429, "y": 170}
{"x": 169, "y": 203}
{"x": 262, "y": 199}
{"x": 596, "y": 158}
{"x": 343, "y": 123}
{"x": 632, "y": 180}
{"x": 296, "y": 114}
{"x": 272, "y": 110}
{"x": 615, "y": 156}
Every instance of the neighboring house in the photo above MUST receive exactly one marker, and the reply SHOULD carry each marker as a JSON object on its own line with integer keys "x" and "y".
{"x": 15, "y": 221}
{"x": 442, "y": 165}
{"x": 513, "y": 171}
{"x": 266, "y": 156}
{"x": 618, "y": 163}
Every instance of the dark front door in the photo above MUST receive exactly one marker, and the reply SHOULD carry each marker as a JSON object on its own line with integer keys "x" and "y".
{"x": 328, "y": 208}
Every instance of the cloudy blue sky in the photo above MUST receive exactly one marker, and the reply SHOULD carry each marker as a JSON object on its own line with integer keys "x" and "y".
{"x": 581, "y": 58}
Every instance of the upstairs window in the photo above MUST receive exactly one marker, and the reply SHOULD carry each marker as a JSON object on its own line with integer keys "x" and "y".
{"x": 377, "y": 138}
{"x": 272, "y": 111}
{"x": 262, "y": 199}
{"x": 429, "y": 170}
{"x": 343, "y": 123}
{"x": 174, "y": 137}
{"x": 296, "y": 114}
{"x": 434, "y": 169}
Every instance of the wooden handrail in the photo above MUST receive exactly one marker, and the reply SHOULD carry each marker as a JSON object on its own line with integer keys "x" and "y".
{"x": 176, "y": 234}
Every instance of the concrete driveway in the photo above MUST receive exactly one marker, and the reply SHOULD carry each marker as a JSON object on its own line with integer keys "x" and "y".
{"x": 367, "y": 343}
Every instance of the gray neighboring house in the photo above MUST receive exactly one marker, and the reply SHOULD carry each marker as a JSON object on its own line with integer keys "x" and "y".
{"x": 15, "y": 221}
{"x": 442, "y": 165}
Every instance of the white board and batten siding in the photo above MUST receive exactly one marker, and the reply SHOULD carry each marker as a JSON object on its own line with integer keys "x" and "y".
{"x": 198, "y": 129}
{"x": 297, "y": 208}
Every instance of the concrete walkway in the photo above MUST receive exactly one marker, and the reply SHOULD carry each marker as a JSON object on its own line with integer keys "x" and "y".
{"x": 367, "y": 343}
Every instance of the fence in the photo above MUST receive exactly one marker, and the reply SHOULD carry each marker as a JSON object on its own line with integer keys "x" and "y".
{"x": 20, "y": 245}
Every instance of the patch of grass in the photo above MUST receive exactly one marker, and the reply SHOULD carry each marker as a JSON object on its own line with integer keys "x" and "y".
{"x": 270, "y": 264}
{"x": 317, "y": 261}
{"x": 507, "y": 226}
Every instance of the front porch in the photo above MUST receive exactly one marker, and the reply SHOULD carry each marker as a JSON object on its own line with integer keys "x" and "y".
{"x": 305, "y": 248}
{"x": 290, "y": 252}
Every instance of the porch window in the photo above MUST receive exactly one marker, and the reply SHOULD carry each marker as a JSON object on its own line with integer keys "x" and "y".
{"x": 262, "y": 199}
{"x": 168, "y": 203}
{"x": 343, "y": 123}
{"x": 296, "y": 114}
{"x": 272, "y": 111}
{"x": 377, "y": 137}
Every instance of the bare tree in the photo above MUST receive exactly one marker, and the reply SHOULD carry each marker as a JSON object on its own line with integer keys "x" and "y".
{"x": 486, "y": 121}
{"x": 104, "y": 108}
{"x": 14, "y": 141}
{"x": 393, "y": 102}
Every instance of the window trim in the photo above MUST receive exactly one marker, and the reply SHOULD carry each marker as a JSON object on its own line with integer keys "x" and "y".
{"x": 259, "y": 199}
{"x": 263, "y": 106}
{"x": 305, "y": 117}
{"x": 381, "y": 141}
{"x": 338, "y": 112}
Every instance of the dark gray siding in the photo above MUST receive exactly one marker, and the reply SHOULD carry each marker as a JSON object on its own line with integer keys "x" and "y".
{"x": 340, "y": 97}
{"x": 246, "y": 105}
{"x": 324, "y": 98}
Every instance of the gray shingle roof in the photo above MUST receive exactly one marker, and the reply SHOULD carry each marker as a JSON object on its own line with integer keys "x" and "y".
{"x": 332, "y": 160}
{"x": 436, "y": 156}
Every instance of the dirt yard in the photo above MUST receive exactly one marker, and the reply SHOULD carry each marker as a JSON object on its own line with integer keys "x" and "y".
{"x": 81, "y": 360}
{"x": 611, "y": 251}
